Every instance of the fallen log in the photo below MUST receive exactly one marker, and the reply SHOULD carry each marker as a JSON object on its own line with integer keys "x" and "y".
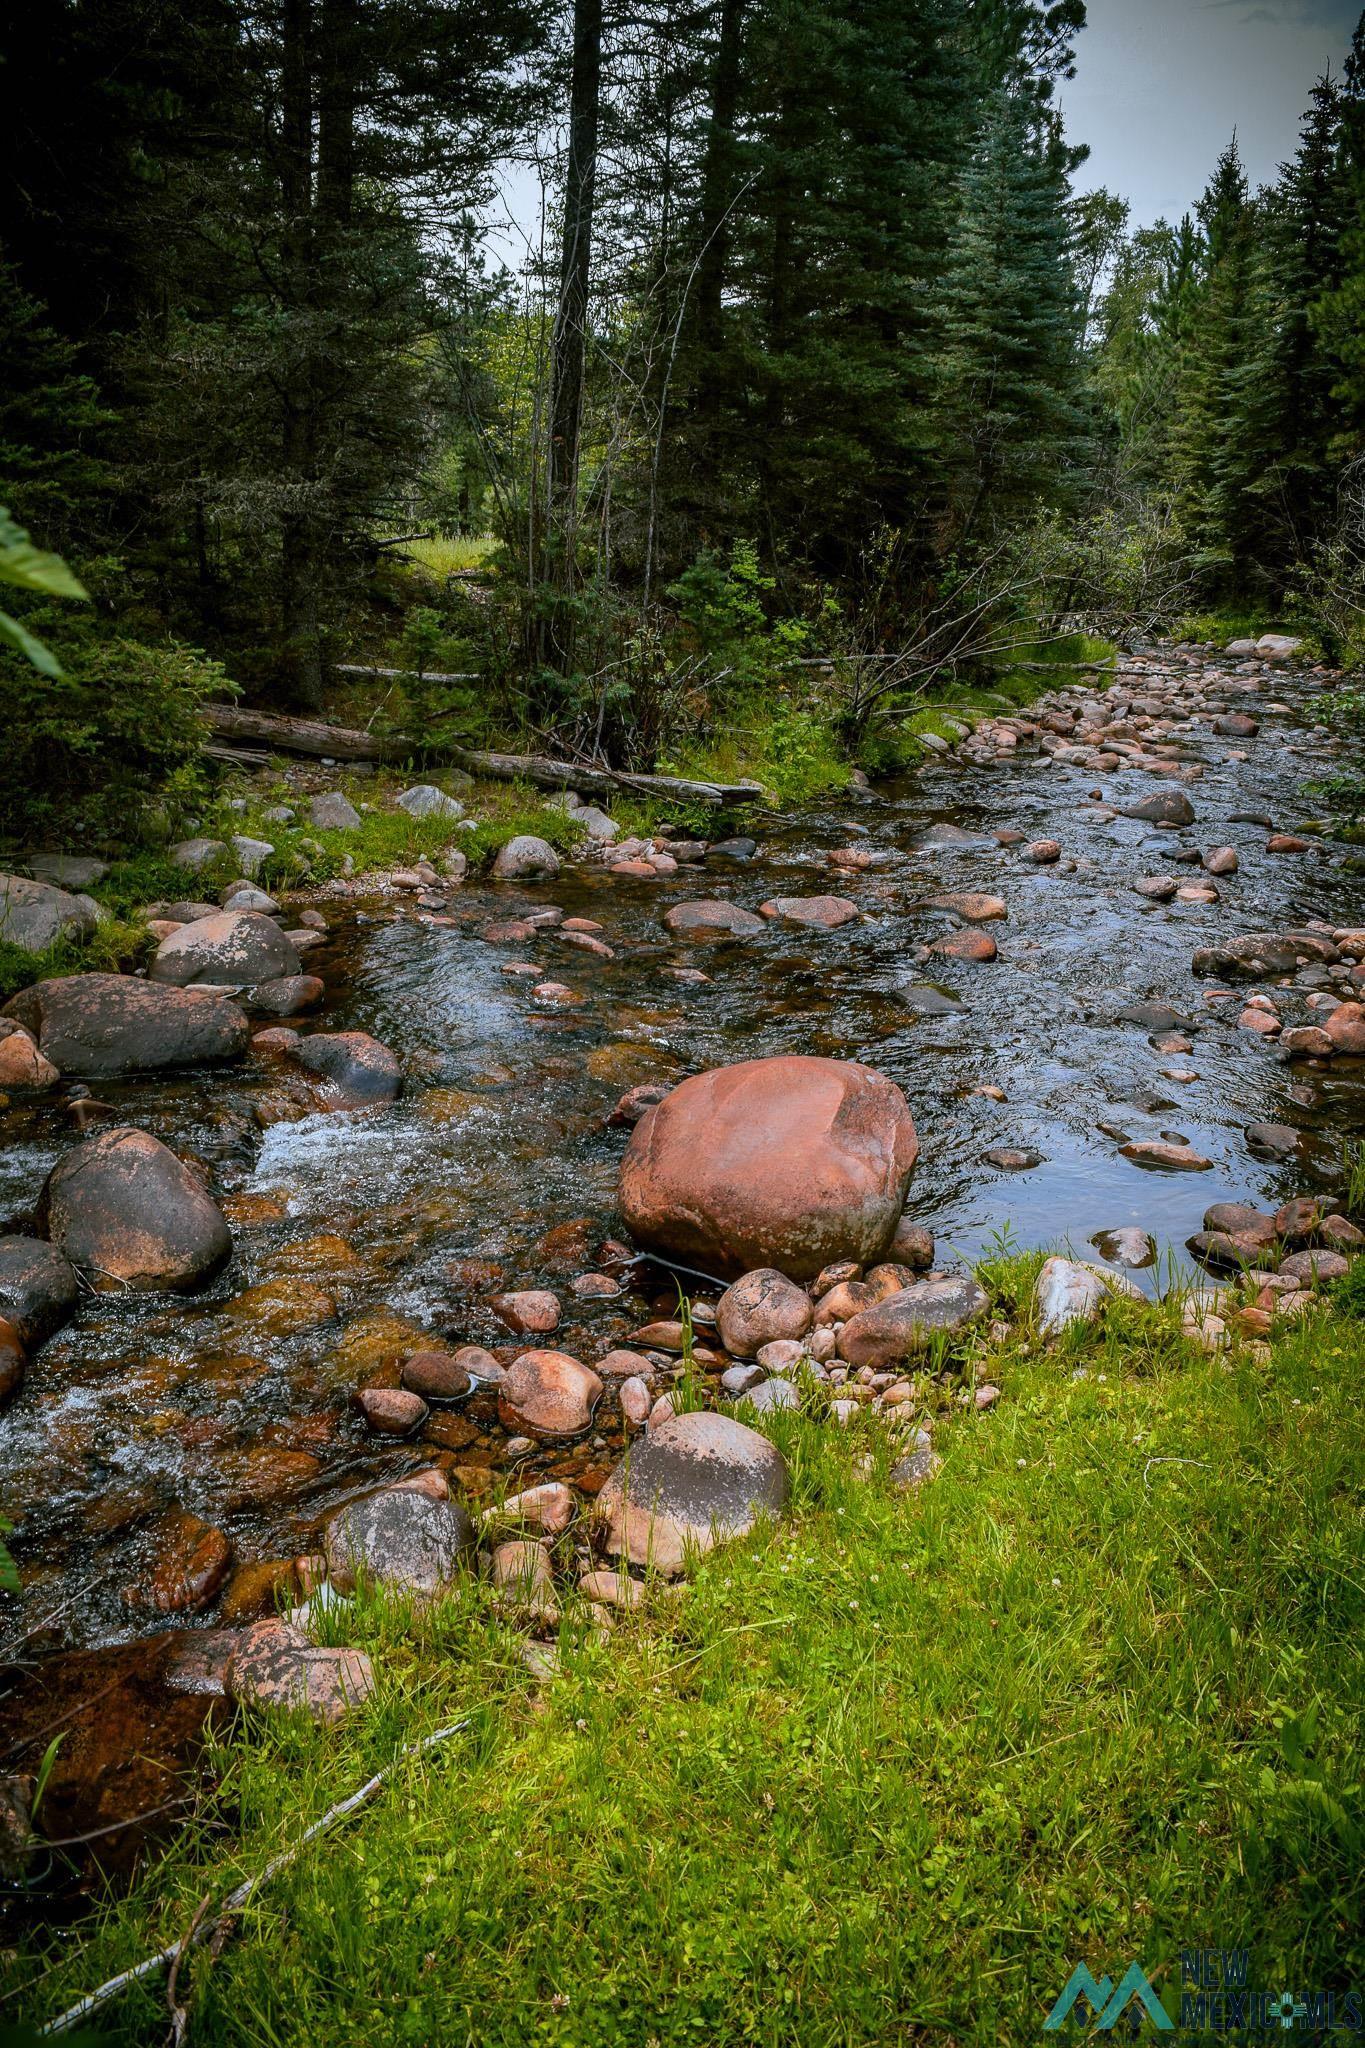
{"x": 301, "y": 735}
{"x": 338, "y": 743}
{"x": 545, "y": 773}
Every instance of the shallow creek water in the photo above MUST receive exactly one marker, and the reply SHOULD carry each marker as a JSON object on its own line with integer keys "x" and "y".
{"x": 359, "y": 1235}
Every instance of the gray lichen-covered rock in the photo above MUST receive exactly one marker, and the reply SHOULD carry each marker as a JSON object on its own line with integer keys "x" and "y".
{"x": 425, "y": 800}
{"x": 333, "y": 812}
{"x": 195, "y": 854}
{"x": 399, "y": 1539}
{"x": 695, "y": 1481}
{"x": 251, "y": 854}
{"x": 234, "y": 948}
{"x": 525, "y": 857}
{"x": 97, "y": 1026}
{"x": 1073, "y": 1291}
{"x": 67, "y": 870}
{"x": 34, "y": 915}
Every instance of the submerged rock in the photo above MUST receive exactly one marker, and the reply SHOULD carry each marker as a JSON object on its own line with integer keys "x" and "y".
{"x": 1162, "y": 807}
{"x": 693, "y": 1482}
{"x": 38, "y": 1288}
{"x": 710, "y": 918}
{"x": 820, "y": 913}
{"x": 1168, "y": 1158}
{"x": 355, "y": 1070}
{"x": 788, "y": 1163}
{"x": 1257, "y": 954}
{"x": 1126, "y": 1246}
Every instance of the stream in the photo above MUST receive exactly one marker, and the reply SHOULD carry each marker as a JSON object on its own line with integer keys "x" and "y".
{"x": 361, "y": 1236}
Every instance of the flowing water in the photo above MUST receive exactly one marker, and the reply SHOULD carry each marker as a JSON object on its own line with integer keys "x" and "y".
{"x": 357, "y": 1236}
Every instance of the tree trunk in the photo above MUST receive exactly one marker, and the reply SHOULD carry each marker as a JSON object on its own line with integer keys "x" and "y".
{"x": 718, "y": 176}
{"x": 301, "y": 650}
{"x": 569, "y": 342}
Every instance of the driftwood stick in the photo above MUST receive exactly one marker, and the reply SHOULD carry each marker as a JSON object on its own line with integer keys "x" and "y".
{"x": 425, "y": 675}
{"x": 337, "y": 742}
{"x": 241, "y": 1895}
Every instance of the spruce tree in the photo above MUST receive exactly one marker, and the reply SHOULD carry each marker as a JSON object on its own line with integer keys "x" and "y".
{"x": 1210, "y": 463}
{"x": 1338, "y": 311}
{"x": 1009, "y": 371}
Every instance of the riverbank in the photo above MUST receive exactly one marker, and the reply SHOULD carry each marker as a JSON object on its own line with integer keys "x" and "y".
{"x": 889, "y": 1769}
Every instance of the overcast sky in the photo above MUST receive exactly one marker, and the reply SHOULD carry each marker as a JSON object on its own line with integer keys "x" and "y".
{"x": 1161, "y": 84}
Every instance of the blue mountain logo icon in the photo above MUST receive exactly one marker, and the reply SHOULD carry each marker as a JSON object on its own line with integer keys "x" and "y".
{"x": 1108, "y": 2003}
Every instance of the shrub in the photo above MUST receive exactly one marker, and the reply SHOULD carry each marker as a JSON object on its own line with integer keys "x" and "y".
{"x": 90, "y": 751}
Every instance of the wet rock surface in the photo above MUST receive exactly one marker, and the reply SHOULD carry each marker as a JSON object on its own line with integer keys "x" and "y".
{"x": 128, "y": 1214}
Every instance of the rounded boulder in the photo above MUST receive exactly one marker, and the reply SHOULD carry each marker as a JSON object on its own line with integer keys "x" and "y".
{"x": 547, "y": 1393}
{"x": 694, "y": 1481}
{"x": 760, "y": 1309}
{"x": 399, "y": 1538}
{"x": 99, "y": 1026}
{"x": 787, "y": 1162}
{"x": 38, "y": 1288}
{"x": 233, "y": 948}
{"x": 129, "y": 1214}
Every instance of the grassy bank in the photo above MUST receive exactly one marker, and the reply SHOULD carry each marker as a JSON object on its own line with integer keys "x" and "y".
{"x": 885, "y": 1773}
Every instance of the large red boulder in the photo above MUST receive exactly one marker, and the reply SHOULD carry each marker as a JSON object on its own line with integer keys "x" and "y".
{"x": 786, "y": 1162}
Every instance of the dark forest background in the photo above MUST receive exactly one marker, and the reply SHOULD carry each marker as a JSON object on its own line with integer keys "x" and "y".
{"x": 819, "y": 389}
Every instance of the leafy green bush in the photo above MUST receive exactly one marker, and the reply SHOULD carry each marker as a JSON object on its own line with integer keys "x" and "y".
{"x": 91, "y": 750}
{"x": 112, "y": 948}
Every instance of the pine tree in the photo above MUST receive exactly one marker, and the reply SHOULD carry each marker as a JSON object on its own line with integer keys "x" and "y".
{"x": 1210, "y": 464}
{"x": 1284, "y": 418}
{"x": 1338, "y": 312}
{"x": 52, "y": 426}
{"x": 1010, "y": 365}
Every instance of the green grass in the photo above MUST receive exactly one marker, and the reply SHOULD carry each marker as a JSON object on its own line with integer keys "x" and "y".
{"x": 386, "y": 836}
{"x": 113, "y": 947}
{"x": 445, "y": 554}
{"x": 884, "y": 1773}
{"x": 794, "y": 752}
